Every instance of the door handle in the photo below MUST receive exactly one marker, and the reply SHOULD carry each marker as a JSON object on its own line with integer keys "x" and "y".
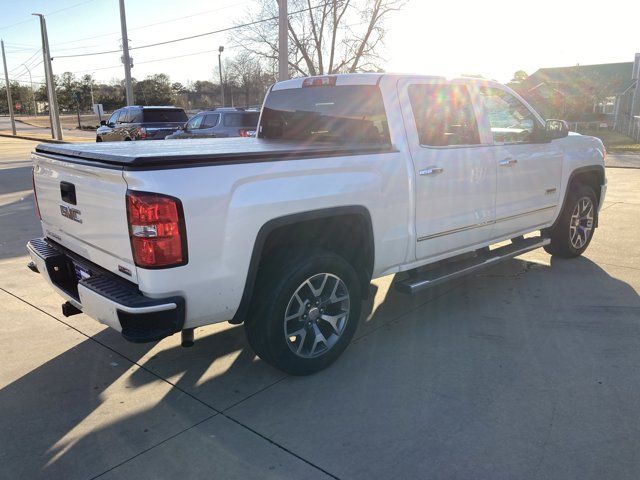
{"x": 431, "y": 171}
{"x": 507, "y": 162}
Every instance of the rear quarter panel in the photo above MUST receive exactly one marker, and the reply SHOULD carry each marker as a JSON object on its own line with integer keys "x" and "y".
{"x": 226, "y": 205}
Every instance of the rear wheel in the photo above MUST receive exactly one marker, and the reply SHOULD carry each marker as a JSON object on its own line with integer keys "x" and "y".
{"x": 573, "y": 231}
{"x": 98, "y": 139}
{"x": 306, "y": 311}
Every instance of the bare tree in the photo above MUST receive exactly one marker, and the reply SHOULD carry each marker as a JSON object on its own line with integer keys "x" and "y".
{"x": 246, "y": 73}
{"x": 325, "y": 36}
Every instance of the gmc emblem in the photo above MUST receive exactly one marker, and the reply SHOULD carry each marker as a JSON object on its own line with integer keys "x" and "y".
{"x": 71, "y": 213}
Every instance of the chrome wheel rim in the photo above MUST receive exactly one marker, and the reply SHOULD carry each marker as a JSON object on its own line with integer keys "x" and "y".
{"x": 316, "y": 315}
{"x": 581, "y": 224}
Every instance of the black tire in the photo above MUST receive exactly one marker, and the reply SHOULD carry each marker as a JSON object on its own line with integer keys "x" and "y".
{"x": 561, "y": 233}
{"x": 276, "y": 285}
{"x": 98, "y": 139}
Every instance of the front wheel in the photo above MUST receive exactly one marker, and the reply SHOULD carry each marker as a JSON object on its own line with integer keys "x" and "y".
{"x": 306, "y": 311}
{"x": 573, "y": 231}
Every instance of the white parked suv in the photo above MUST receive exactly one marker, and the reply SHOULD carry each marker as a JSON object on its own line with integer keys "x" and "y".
{"x": 351, "y": 177}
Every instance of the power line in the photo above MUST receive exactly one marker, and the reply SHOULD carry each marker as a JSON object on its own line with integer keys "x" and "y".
{"x": 222, "y": 30}
{"x": 46, "y": 14}
{"x": 151, "y": 24}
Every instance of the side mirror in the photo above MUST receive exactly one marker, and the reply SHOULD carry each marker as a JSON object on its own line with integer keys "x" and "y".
{"x": 103, "y": 123}
{"x": 555, "y": 129}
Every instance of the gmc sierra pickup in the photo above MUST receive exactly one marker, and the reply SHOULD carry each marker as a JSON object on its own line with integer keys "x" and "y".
{"x": 351, "y": 177}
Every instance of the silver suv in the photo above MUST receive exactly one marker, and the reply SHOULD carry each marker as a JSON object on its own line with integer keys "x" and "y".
{"x": 221, "y": 122}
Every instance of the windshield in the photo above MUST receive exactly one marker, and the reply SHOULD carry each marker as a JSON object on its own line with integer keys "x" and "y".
{"x": 164, "y": 115}
{"x": 339, "y": 114}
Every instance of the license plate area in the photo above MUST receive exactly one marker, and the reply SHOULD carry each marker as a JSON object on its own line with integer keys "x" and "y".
{"x": 81, "y": 272}
{"x": 65, "y": 273}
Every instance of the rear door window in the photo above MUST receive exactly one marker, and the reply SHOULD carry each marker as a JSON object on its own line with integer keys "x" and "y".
{"x": 159, "y": 115}
{"x": 249, "y": 119}
{"x": 135, "y": 115}
{"x": 210, "y": 120}
{"x": 444, "y": 115}
{"x": 336, "y": 114}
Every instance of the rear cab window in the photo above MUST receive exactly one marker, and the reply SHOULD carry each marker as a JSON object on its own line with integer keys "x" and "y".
{"x": 336, "y": 114}
{"x": 444, "y": 115}
{"x": 159, "y": 115}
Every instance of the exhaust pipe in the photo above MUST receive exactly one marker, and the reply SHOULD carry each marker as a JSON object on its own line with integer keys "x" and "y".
{"x": 187, "y": 337}
{"x": 33, "y": 267}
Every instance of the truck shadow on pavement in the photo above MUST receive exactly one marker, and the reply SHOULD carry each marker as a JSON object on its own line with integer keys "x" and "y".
{"x": 486, "y": 362}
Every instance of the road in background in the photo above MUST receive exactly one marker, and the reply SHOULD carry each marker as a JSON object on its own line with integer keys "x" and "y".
{"x": 43, "y": 132}
{"x": 528, "y": 370}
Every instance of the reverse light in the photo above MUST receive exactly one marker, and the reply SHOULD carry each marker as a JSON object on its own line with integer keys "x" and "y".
{"x": 35, "y": 194}
{"x": 156, "y": 229}
{"x": 327, "y": 81}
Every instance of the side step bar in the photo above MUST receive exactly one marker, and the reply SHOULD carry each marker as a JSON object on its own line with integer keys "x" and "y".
{"x": 430, "y": 278}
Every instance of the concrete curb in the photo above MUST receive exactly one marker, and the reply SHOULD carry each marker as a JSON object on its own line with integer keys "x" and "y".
{"x": 35, "y": 139}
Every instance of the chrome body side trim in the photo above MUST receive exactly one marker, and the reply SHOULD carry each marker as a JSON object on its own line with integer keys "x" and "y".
{"x": 484, "y": 224}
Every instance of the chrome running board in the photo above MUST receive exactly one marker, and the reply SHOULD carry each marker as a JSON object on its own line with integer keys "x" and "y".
{"x": 423, "y": 279}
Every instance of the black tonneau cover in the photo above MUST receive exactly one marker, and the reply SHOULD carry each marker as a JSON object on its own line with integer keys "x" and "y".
{"x": 143, "y": 155}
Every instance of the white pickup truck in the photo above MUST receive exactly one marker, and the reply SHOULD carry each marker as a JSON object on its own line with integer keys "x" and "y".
{"x": 351, "y": 177}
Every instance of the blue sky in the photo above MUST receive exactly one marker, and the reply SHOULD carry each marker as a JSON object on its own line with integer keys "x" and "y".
{"x": 492, "y": 38}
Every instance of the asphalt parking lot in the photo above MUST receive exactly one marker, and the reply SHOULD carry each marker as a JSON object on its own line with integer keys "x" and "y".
{"x": 528, "y": 370}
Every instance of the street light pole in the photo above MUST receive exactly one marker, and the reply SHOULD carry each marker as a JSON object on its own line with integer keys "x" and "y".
{"x": 126, "y": 59}
{"x": 56, "y": 131}
{"x": 283, "y": 47}
{"x": 33, "y": 92}
{"x": 9, "y": 100}
{"x": 220, "y": 50}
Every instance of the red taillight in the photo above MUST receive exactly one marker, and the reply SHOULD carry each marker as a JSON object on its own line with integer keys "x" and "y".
{"x": 243, "y": 133}
{"x": 319, "y": 81}
{"x": 156, "y": 229}
{"x": 35, "y": 194}
{"x": 142, "y": 132}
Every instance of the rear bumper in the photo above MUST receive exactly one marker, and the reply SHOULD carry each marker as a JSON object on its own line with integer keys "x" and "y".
{"x": 106, "y": 297}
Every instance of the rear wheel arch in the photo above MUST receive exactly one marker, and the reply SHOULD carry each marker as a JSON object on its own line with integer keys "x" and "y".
{"x": 299, "y": 229}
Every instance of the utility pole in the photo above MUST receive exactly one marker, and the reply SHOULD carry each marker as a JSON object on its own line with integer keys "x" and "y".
{"x": 283, "y": 47}
{"x": 56, "y": 131}
{"x": 33, "y": 92}
{"x": 9, "y": 100}
{"x": 220, "y": 50}
{"x": 126, "y": 59}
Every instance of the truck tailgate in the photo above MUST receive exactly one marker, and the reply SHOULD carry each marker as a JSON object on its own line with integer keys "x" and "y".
{"x": 83, "y": 208}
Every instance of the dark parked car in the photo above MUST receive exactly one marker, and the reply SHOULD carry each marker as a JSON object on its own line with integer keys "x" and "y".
{"x": 221, "y": 122}
{"x": 141, "y": 123}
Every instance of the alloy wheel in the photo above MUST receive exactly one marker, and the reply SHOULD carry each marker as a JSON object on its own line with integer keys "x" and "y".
{"x": 316, "y": 315}
{"x": 581, "y": 223}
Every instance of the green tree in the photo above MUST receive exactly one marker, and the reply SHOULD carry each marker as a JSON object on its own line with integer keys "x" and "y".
{"x": 154, "y": 90}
